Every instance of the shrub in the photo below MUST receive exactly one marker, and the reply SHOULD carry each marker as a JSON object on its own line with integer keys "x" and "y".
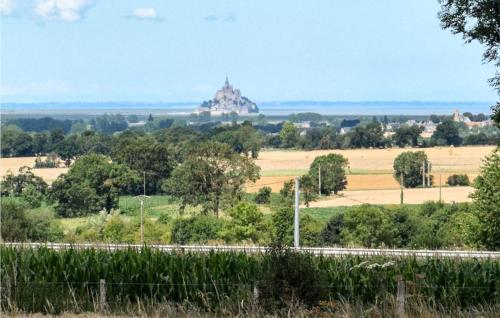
{"x": 164, "y": 219}
{"x": 458, "y": 180}
{"x": 263, "y": 196}
{"x": 14, "y": 223}
{"x": 32, "y": 196}
{"x": 288, "y": 276}
{"x": 331, "y": 233}
{"x": 368, "y": 226}
{"x": 198, "y": 229}
{"x": 247, "y": 222}
{"x": 42, "y": 227}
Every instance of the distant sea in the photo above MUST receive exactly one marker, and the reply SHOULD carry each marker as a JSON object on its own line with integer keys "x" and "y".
{"x": 267, "y": 108}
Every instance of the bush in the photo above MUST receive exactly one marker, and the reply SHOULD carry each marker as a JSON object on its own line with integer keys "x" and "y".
{"x": 369, "y": 226}
{"x": 331, "y": 233}
{"x": 14, "y": 223}
{"x": 288, "y": 276}
{"x": 263, "y": 196}
{"x": 458, "y": 180}
{"x": 198, "y": 229}
{"x": 32, "y": 196}
{"x": 42, "y": 227}
{"x": 247, "y": 223}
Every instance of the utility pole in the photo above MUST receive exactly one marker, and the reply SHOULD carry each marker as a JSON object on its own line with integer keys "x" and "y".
{"x": 440, "y": 197}
{"x": 401, "y": 180}
{"x": 423, "y": 174}
{"x": 429, "y": 174}
{"x": 141, "y": 198}
{"x": 296, "y": 235}
{"x": 319, "y": 179}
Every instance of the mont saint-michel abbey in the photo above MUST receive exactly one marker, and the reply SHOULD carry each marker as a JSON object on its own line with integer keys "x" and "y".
{"x": 227, "y": 100}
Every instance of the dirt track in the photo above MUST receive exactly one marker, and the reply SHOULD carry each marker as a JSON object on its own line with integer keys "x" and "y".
{"x": 411, "y": 196}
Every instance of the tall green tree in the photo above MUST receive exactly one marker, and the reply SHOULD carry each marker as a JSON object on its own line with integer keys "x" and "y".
{"x": 407, "y": 135}
{"x": 148, "y": 157}
{"x": 409, "y": 164}
{"x": 447, "y": 133}
{"x": 308, "y": 189}
{"x": 92, "y": 184}
{"x": 15, "y": 184}
{"x": 486, "y": 198}
{"x": 289, "y": 135}
{"x": 211, "y": 175}
{"x": 477, "y": 20}
{"x": 333, "y": 175}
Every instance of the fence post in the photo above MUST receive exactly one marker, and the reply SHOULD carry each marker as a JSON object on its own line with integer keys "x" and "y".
{"x": 102, "y": 295}
{"x": 400, "y": 299}
{"x": 255, "y": 294}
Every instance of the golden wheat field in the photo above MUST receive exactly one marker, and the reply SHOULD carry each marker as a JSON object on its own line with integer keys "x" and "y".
{"x": 392, "y": 196}
{"x": 369, "y": 176}
{"x": 368, "y": 168}
{"x": 13, "y": 165}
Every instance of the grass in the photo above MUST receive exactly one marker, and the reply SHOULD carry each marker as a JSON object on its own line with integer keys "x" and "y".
{"x": 323, "y": 215}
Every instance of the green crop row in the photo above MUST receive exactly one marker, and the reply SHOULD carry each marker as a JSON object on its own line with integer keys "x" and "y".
{"x": 44, "y": 280}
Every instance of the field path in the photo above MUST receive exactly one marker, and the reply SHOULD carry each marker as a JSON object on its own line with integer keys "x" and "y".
{"x": 411, "y": 196}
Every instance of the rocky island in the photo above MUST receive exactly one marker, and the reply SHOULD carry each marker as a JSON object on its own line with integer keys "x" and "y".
{"x": 228, "y": 100}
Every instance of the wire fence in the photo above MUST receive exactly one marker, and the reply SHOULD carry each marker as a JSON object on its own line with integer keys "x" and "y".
{"x": 325, "y": 251}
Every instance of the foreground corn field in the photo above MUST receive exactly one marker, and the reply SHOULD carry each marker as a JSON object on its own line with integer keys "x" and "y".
{"x": 53, "y": 281}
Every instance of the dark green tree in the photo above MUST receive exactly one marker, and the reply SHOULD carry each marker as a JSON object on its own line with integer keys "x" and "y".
{"x": 407, "y": 135}
{"x": 144, "y": 155}
{"x": 308, "y": 189}
{"x": 477, "y": 20}
{"x": 447, "y": 133}
{"x": 14, "y": 224}
{"x": 368, "y": 226}
{"x": 92, "y": 184}
{"x": 486, "y": 198}
{"x": 332, "y": 232}
{"x": 15, "y": 184}
{"x": 289, "y": 135}
{"x": 211, "y": 175}
{"x": 333, "y": 175}
{"x": 69, "y": 149}
{"x": 263, "y": 196}
{"x": 410, "y": 165}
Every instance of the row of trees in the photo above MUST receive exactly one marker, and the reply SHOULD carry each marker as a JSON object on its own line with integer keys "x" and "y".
{"x": 247, "y": 137}
{"x": 372, "y": 135}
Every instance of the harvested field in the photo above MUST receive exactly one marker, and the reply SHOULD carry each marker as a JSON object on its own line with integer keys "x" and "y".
{"x": 411, "y": 196}
{"x": 13, "y": 164}
{"x": 354, "y": 181}
{"x": 368, "y": 168}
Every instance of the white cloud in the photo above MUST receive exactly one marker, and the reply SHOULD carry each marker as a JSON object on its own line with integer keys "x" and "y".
{"x": 145, "y": 13}
{"x": 61, "y": 10}
{"x": 7, "y": 7}
{"x": 49, "y": 87}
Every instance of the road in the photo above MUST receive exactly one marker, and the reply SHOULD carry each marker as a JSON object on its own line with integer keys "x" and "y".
{"x": 328, "y": 251}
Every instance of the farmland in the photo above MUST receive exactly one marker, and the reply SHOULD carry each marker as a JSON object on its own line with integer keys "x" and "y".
{"x": 41, "y": 280}
{"x": 369, "y": 169}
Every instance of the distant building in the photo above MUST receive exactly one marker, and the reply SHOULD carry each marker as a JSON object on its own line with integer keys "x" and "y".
{"x": 228, "y": 100}
{"x": 459, "y": 118}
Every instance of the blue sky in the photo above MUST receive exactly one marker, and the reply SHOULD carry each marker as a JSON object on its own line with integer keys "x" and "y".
{"x": 126, "y": 50}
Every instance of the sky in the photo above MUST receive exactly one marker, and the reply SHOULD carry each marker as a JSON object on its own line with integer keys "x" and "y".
{"x": 273, "y": 50}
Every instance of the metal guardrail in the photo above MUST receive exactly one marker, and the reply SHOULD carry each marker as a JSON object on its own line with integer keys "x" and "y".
{"x": 327, "y": 251}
